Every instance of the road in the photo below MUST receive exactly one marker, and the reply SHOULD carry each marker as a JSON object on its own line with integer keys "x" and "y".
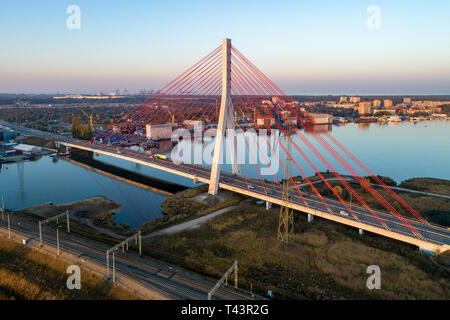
{"x": 191, "y": 224}
{"x": 351, "y": 180}
{"x": 430, "y": 236}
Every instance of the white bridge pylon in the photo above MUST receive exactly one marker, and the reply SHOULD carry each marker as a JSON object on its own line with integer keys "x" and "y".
{"x": 226, "y": 121}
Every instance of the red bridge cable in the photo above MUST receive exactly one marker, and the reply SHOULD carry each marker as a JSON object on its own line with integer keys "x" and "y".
{"x": 239, "y": 89}
{"x": 413, "y": 230}
{"x": 327, "y": 164}
{"x": 139, "y": 117}
{"x": 379, "y": 198}
{"x": 397, "y": 197}
{"x": 166, "y": 87}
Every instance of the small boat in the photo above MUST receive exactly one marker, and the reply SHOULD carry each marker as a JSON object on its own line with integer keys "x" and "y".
{"x": 63, "y": 154}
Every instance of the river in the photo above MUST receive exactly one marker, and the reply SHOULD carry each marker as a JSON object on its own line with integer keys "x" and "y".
{"x": 398, "y": 150}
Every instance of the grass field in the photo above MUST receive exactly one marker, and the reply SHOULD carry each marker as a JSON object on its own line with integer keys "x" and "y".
{"x": 325, "y": 260}
{"x": 434, "y": 209}
{"x": 26, "y": 274}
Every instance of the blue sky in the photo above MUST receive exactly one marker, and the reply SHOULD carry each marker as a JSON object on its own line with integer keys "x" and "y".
{"x": 306, "y": 47}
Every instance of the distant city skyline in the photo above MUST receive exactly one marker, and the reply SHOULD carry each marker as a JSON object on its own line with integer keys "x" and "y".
{"x": 307, "y": 48}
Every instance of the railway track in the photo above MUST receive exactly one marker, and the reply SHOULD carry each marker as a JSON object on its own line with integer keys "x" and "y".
{"x": 168, "y": 281}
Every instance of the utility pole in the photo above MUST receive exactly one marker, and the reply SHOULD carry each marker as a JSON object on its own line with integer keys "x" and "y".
{"x": 43, "y": 222}
{"x": 233, "y": 268}
{"x": 40, "y": 232}
{"x": 9, "y": 228}
{"x": 57, "y": 240}
{"x": 68, "y": 221}
{"x": 3, "y": 208}
{"x": 114, "y": 269}
{"x": 286, "y": 219}
{"x": 138, "y": 241}
{"x": 107, "y": 264}
{"x": 351, "y": 198}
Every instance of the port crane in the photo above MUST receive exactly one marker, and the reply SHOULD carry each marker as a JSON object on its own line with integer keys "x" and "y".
{"x": 90, "y": 119}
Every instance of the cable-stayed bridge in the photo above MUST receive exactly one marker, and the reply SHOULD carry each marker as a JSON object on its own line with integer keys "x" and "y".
{"x": 225, "y": 92}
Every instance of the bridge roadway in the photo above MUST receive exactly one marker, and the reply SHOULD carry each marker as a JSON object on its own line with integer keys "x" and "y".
{"x": 435, "y": 238}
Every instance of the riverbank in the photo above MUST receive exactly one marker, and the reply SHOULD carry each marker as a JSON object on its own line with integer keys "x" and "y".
{"x": 189, "y": 205}
{"x": 165, "y": 187}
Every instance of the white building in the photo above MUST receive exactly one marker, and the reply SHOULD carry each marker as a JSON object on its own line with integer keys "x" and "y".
{"x": 321, "y": 118}
{"x": 26, "y": 148}
{"x": 159, "y": 131}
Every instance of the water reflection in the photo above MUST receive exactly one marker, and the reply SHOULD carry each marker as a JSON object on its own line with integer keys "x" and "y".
{"x": 318, "y": 128}
{"x": 25, "y": 184}
{"x": 401, "y": 151}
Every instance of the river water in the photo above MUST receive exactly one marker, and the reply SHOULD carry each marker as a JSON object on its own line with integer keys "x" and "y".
{"x": 398, "y": 150}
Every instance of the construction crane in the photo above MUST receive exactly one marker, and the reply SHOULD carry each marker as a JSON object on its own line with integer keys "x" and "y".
{"x": 172, "y": 115}
{"x": 90, "y": 119}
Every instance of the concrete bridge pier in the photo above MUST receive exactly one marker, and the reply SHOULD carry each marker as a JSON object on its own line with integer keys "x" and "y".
{"x": 427, "y": 251}
{"x": 268, "y": 205}
{"x": 310, "y": 217}
{"x": 361, "y": 232}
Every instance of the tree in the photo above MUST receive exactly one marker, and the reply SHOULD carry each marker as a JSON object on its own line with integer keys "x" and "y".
{"x": 365, "y": 182}
{"x": 338, "y": 190}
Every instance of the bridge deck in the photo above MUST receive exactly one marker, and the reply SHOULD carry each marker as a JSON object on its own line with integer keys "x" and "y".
{"x": 435, "y": 238}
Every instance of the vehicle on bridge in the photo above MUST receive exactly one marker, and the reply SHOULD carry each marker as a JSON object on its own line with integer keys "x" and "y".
{"x": 160, "y": 156}
{"x": 343, "y": 213}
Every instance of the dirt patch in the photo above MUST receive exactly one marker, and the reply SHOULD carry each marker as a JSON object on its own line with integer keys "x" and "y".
{"x": 211, "y": 200}
{"x": 86, "y": 208}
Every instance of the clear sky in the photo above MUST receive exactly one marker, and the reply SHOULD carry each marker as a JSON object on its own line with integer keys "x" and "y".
{"x": 306, "y": 47}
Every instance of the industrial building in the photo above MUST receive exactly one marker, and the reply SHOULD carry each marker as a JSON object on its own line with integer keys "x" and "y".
{"x": 159, "y": 131}
{"x": 321, "y": 118}
{"x": 6, "y": 134}
{"x": 268, "y": 121}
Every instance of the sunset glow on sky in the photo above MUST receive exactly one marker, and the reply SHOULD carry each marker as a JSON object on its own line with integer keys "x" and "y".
{"x": 306, "y": 47}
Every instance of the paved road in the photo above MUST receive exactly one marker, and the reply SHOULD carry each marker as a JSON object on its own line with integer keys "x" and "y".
{"x": 351, "y": 180}
{"x": 429, "y": 232}
{"x": 191, "y": 224}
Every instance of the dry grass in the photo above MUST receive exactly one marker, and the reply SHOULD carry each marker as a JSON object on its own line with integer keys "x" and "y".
{"x": 28, "y": 274}
{"x": 323, "y": 261}
{"x": 433, "y": 185}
